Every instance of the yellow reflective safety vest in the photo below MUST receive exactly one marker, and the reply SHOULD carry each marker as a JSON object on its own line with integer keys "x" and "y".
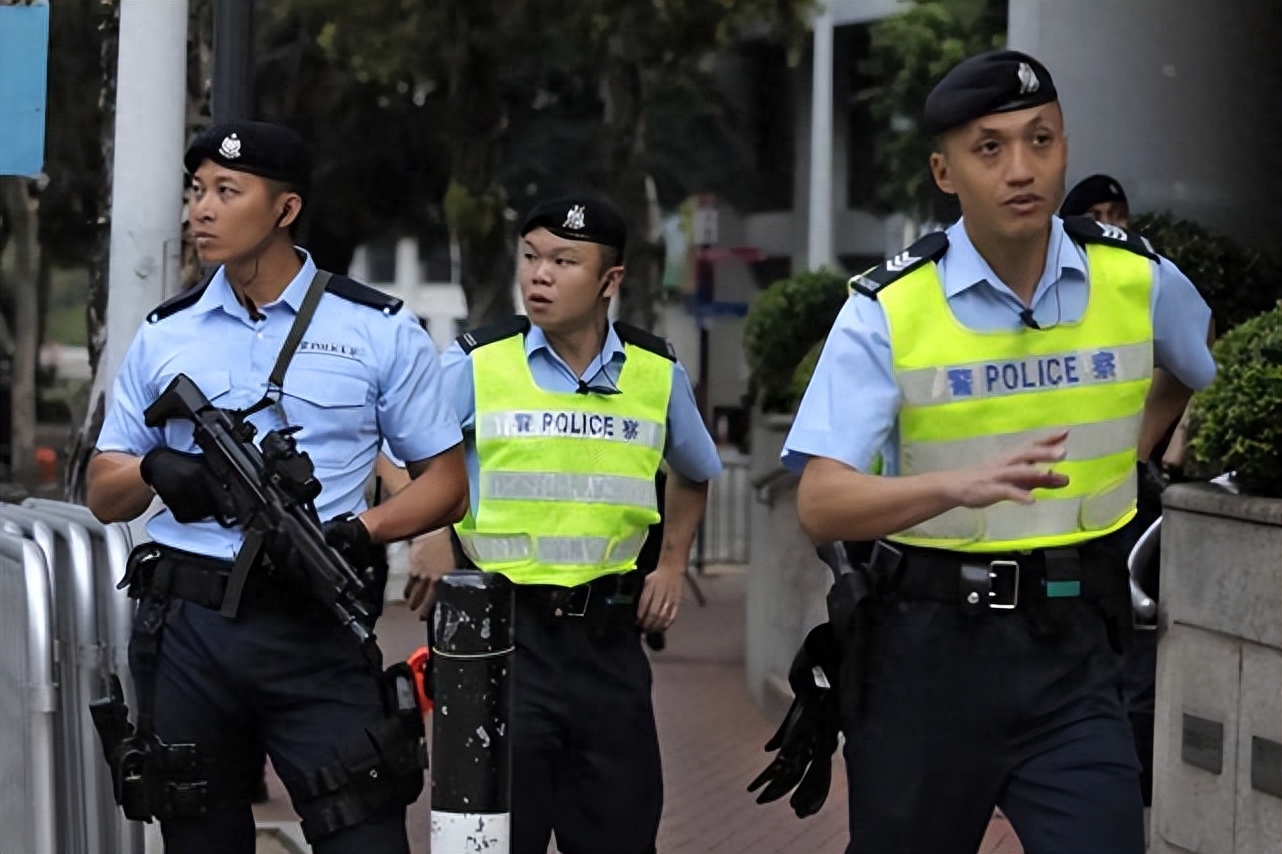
{"x": 566, "y": 486}
{"x": 969, "y": 395}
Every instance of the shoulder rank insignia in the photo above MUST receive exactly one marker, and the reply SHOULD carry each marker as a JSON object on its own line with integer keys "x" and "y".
{"x": 1083, "y": 229}
{"x": 186, "y": 299}
{"x": 928, "y": 249}
{"x": 353, "y": 291}
{"x": 638, "y": 337}
{"x": 517, "y": 324}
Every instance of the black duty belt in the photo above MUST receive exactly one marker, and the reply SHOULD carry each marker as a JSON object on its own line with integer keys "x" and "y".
{"x": 155, "y": 569}
{"x": 984, "y": 581}
{"x": 610, "y": 598}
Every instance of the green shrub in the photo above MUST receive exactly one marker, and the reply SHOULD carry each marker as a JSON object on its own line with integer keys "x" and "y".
{"x": 1237, "y": 282}
{"x": 1236, "y": 422}
{"x": 785, "y": 322}
{"x": 805, "y": 370}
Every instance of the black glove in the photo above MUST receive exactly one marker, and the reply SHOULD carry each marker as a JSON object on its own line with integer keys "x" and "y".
{"x": 350, "y": 538}
{"x": 807, "y": 738}
{"x": 186, "y": 485}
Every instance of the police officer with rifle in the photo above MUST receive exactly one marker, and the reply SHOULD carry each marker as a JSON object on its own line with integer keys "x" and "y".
{"x": 1003, "y": 370}
{"x": 253, "y": 407}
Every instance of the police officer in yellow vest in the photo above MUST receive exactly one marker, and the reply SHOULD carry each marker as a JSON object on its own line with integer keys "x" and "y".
{"x": 1003, "y": 369}
{"x": 566, "y": 422}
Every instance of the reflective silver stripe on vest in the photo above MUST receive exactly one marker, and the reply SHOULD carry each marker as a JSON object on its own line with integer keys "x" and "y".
{"x": 627, "y": 549}
{"x": 563, "y": 551}
{"x": 1085, "y": 442}
{"x": 999, "y": 378}
{"x": 543, "y": 424}
{"x": 483, "y": 548}
{"x": 1046, "y": 517}
{"x": 565, "y": 486}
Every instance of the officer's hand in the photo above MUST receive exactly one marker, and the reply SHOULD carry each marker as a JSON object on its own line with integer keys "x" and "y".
{"x": 186, "y": 485}
{"x": 348, "y": 536}
{"x": 660, "y": 598}
{"x": 1011, "y": 476}
{"x": 431, "y": 557}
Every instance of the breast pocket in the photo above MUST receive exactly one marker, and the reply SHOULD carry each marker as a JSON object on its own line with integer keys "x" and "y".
{"x": 333, "y": 409}
{"x": 214, "y": 385}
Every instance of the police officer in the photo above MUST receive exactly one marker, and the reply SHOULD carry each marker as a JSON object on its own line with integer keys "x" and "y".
{"x": 283, "y": 676}
{"x": 1099, "y": 197}
{"x": 1102, "y": 198}
{"x": 1001, "y": 367}
{"x": 566, "y": 421}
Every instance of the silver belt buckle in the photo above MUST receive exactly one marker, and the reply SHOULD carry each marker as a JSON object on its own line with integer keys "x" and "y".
{"x": 995, "y": 599}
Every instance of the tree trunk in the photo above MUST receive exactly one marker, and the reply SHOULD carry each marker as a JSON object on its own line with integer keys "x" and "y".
{"x": 83, "y": 442}
{"x": 21, "y": 208}
{"x": 475, "y": 203}
{"x": 622, "y": 88}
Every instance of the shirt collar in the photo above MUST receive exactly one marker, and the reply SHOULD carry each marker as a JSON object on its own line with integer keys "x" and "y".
{"x": 962, "y": 267}
{"x": 220, "y": 294}
{"x": 611, "y": 352}
{"x": 536, "y": 340}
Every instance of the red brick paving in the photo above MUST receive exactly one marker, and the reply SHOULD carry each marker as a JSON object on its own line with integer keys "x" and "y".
{"x": 711, "y": 737}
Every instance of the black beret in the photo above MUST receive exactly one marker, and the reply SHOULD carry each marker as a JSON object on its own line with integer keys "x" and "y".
{"x": 995, "y": 82}
{"x": 267, "y": 150}
{"x": 1089, "y": 192}
{"x": 582, "y": 216}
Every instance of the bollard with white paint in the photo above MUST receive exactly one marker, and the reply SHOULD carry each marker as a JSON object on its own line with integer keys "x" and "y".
{"x": 472, "y": 648}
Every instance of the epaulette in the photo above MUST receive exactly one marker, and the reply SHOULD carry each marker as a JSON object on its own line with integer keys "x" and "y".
{"x": 928, "y": 249}
{"x": 517, "y": 324}
{"x": 353, "y": 291}
{"x": 638, "y": 337}
{"x": 186, "y": 299}
{"x": 1083, "y": 229}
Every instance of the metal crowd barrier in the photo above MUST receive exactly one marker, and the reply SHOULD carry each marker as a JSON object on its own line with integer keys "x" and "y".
{"x": 724, "y": 533}
{"x": 27, "y": 753}
{"x": 89, "y": 623}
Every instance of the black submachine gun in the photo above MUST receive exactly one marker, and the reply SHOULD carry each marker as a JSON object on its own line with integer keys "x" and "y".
{"x": 271, "y": 493}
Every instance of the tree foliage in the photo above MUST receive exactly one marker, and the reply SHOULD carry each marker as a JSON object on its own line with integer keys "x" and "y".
{"x": 532, "y": 98}
{"x": 908, "y": 54}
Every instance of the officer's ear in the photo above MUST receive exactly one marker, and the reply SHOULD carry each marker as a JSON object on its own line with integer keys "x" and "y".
{"x": 291, "y": 206}
{"x": 611, "y": 272}
{"x": 939, "y": 170}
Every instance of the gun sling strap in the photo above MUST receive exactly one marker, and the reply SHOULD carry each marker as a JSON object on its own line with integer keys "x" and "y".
{"x": 253, "y": 543}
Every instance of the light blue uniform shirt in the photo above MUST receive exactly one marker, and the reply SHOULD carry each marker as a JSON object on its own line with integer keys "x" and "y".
{"x": 850, "y": 409}
{"x": 359, "y": 377}
{"x": 688, "y": 448}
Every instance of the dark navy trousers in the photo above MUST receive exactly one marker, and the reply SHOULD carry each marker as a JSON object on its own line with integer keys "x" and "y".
{"x": 964, "y": 713}
{"x": 585, "y": 751}
{"x": 285, "y": 681}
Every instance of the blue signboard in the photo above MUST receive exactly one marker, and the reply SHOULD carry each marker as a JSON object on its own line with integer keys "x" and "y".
{"x": 24, "y": 67}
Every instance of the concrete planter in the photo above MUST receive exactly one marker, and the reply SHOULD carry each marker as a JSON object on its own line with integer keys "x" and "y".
{"x": 787, "y": 583}
{"x": 1217, "y": 782}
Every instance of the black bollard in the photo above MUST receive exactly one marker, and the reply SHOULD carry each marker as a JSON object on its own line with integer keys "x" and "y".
{"x": 472, "y": 647}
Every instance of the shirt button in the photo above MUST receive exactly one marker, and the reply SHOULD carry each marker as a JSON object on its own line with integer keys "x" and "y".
{"x": 260, "y": 336}
{"x": 973, "y": 598}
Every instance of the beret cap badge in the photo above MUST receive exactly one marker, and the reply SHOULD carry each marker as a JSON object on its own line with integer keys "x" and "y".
{"x": 230, "y": 147}
{"x": 1027, "y": 79}
{"x": 574, "y": 218}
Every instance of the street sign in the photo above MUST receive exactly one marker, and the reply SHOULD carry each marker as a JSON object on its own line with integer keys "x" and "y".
{"x": 24, "y": 68}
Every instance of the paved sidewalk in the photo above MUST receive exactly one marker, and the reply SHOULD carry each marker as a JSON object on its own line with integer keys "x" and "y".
{"x": 711, "y": 737}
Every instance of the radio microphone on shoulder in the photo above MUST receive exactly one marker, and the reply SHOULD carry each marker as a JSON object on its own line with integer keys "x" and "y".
{"x": 1026, "y": 318}
{"x": 583, "y": 388}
